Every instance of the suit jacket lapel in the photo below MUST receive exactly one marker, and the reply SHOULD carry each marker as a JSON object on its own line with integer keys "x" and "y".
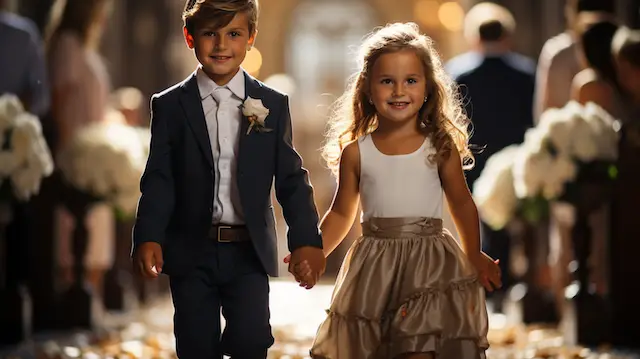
{"x": 252, "y": 89}
{"x": 192, "y": 106}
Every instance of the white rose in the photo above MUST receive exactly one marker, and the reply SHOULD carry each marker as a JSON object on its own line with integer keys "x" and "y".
{"x": 10, "y": 108}
{"x": 254, "y": 107}
{"x": 585, "y": 143}
{"x": 562, "y": 170}
{"x": 26, "y": 132}
{"x": 107, "y": 159}
{"x": 605, "y": 131}
{"x": 535, "y": 139}
{"x": 493, "y": 191}
{"x": 26, "y": 182}
{"x": 8, "y": 163}
{"x": 529, "y": 171}
{"x": 558, "y": 128}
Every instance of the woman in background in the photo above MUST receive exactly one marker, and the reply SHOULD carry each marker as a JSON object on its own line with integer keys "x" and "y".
{"x": 80, "y": 97}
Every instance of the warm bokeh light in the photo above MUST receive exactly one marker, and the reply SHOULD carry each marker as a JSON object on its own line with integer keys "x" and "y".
{"x": 451, "y": 16}
{"x": 426, "y": 12}
{"x": 253, "y": 62}
{"x": 281, "y": 82}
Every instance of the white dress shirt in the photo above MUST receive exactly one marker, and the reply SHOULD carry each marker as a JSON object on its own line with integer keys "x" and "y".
{"x": 221, "y": 105}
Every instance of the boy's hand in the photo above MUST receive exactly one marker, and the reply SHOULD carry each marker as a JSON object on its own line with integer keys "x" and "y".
{"x": 307, "y": 264}
{"x": 148, "y": 260}
{"x": 301, "y": 272}
{"x": 304, "y": 275}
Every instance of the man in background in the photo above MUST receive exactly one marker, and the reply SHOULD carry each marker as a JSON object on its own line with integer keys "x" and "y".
{"x": 22, "y": 61}
{"x": 497, "y": 85}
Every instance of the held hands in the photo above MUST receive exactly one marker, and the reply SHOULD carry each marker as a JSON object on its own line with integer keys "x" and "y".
{"x": 147, "y": 260}
{"x": 306, "y": 264}
{"x": 489, "y": 273}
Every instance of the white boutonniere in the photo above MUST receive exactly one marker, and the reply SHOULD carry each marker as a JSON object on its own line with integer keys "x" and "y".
{"x": 256, "y": 113}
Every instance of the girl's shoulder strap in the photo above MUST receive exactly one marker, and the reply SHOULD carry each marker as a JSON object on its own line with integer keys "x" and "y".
{"x": 364, "y": 141}
{"x": 364, "y": 145}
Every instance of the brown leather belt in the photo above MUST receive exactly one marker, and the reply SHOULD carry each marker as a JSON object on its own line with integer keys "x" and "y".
{"x": 229, "y": 234}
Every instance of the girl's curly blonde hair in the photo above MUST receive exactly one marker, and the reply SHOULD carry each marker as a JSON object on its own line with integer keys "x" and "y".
{"x": 441, "y": 118}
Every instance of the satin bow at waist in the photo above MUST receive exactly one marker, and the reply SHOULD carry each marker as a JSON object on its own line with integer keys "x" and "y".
{"x": 403, "y": 227}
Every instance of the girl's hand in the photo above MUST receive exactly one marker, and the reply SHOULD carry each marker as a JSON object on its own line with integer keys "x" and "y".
{"x": 302, "y": 272}
{"x": 489, "y": 273}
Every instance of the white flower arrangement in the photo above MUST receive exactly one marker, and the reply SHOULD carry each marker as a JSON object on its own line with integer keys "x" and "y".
{"x": 494, "y": 192}
{"x": 520, "y": 179}
{"x": 25, "y": 158}
{"x": 106, "y": 160}
{"x": 564, "y": 141}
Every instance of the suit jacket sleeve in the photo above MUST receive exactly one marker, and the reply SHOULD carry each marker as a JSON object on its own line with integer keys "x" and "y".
{"x": 293, "y": 189}
{"x": 156, "y": 203}
{"x": 39, "y": 96}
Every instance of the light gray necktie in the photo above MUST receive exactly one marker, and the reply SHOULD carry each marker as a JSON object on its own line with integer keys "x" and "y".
{"x": 220, "y": 95}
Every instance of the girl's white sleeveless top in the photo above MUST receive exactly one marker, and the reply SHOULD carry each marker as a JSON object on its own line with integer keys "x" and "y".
{"x": 398, "y": 185}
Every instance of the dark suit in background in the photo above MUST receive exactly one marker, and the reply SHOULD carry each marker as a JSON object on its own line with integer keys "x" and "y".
{"x": 498, "y": 93}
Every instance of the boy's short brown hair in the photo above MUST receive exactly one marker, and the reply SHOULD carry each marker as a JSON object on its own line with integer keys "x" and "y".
{"x": 218, "y": 12}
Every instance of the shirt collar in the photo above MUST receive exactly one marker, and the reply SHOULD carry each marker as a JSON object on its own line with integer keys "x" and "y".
{"x": 206, "y": 85}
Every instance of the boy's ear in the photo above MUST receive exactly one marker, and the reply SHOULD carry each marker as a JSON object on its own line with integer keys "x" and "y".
{"x": 188, "y": 38}
{"x": 252, "y": 40}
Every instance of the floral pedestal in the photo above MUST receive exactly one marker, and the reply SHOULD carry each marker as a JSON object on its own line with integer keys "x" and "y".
{"x": 533, "y": 303}
{"x": 586, "y": 305}
{"x": 104, "y": 160}
{"x": 119, "y": 291}
{"x": 625, "y": 241}
{"x": 24, "y": 161}
{"x": 78, "y": 304}
{"x": 14, "y": 299}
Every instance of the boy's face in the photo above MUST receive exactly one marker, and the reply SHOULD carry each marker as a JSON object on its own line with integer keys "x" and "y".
{"x": 221, "y": 51}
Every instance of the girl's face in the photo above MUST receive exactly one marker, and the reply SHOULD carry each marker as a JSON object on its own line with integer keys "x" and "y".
{"x": 398, "y": 86}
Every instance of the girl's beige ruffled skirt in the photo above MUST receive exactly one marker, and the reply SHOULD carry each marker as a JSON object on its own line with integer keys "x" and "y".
{"x": 405, "y": 287}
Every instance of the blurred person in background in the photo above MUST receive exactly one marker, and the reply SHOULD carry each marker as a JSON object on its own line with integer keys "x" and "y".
{"x": 598, "y": 81}
{"x": 497, "y": 85}
{"x": 626, "y": 54}
{"x": 22, "y": 73}
{"x": 80, "y": 97}
{"x": 22, "y": 62}
{"x": 559, "y": 58}
{"x": 626, "y": 196}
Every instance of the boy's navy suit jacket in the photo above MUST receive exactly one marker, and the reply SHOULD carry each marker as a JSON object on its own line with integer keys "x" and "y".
{"x": 175, "y": 208}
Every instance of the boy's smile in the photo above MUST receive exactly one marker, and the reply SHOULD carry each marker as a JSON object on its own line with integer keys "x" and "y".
{"x": 221, "y": 51}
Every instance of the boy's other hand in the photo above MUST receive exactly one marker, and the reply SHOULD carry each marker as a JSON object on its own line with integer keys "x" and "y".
{"x": 307, "y": 264}
{"x": 148, "y": 260}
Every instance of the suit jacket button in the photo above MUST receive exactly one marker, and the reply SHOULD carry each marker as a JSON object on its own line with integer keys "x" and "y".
{"x": 210, "y": 209}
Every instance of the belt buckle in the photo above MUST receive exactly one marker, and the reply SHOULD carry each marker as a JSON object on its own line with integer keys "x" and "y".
{"x": 220, "y": 228}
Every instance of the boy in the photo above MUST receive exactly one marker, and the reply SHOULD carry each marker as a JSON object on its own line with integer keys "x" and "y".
{"x": 205, "y": 217}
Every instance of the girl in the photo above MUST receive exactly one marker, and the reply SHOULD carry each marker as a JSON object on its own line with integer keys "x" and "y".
{"x": 406, "y": 289}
